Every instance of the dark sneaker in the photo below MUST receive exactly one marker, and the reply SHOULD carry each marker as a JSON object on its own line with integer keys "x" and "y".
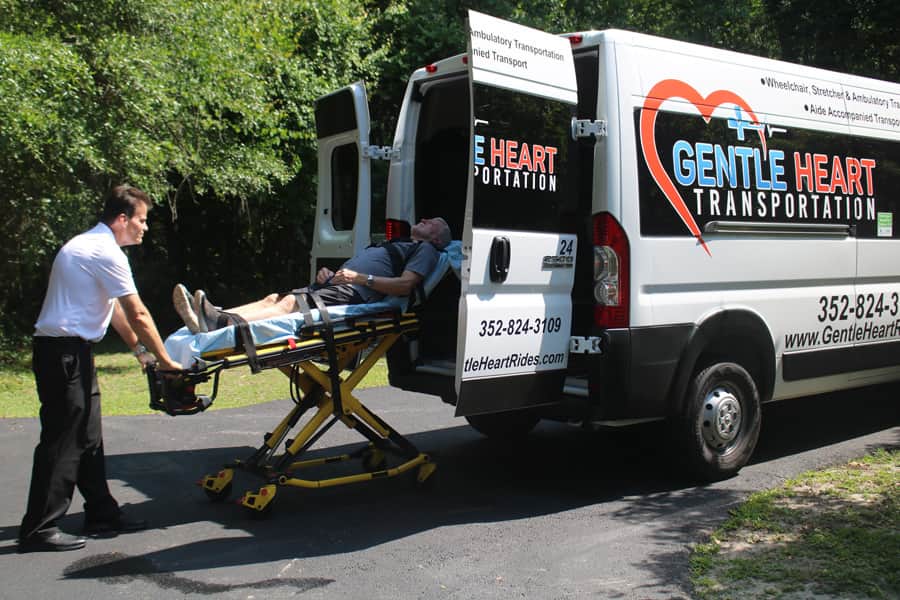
{"x": 200, "y": 302}
{"x": 209, "y": 315}
{"x": 52, "y": 540}
{"x": 120, "y": 524}
{"x": 184, "y": 306}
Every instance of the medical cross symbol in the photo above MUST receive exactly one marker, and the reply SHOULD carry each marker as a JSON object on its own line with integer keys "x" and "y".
{"x": 739, "y": 124}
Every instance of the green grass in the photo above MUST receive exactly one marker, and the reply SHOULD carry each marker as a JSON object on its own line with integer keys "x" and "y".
{"x": 833, "y": 533}
{"x": 124, "y": 387}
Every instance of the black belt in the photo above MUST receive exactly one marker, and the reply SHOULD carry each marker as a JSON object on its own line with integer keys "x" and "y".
{"x": 66, "y": 339}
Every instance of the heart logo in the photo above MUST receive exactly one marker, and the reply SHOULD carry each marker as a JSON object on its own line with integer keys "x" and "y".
{"x": 673, "y": 88}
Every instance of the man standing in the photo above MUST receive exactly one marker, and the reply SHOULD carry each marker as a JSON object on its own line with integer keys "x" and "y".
{"x": 91, "y": 286}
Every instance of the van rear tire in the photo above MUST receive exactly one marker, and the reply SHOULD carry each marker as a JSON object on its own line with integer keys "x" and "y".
{"x": 721, "y": 421}
{"x": 504, "y": 425}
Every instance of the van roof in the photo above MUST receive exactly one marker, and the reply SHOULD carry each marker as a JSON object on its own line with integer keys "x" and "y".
{"x": 593, "y": 38}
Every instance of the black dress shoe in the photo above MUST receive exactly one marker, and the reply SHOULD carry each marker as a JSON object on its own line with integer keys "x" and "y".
{"x": 120, "y": 524}
{"x": 47, "y": 541}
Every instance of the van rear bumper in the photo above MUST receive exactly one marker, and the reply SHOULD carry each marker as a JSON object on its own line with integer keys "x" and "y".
{"x": 633, "y": 376}
{"x": 631, "y": 379}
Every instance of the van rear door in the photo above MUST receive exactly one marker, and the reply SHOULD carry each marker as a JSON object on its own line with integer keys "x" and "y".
{"x": 521, "y": 215}
{"x": 343, "y": 203}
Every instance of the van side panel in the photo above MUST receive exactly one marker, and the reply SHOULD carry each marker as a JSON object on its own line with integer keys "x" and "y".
{"x": 733, "y": 140}
{"x": 879, "y": 249}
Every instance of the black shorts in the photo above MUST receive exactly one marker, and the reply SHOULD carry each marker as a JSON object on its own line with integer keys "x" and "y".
{"x": 332, "y": 295}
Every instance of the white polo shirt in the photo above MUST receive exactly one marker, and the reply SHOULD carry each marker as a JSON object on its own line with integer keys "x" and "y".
{"x": 88, "y": 274}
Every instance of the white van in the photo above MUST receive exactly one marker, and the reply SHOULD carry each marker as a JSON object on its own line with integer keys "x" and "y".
{"x": 700, "y": 232}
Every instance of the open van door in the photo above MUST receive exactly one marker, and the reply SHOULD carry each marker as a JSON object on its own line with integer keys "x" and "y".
{"x": 343, "y": 203}
{"x": 519, "y": 235}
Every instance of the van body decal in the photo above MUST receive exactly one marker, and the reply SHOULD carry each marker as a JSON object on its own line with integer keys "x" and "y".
{"x": 515, "y": 164}
{"x": 673, "y": 88}
{"x": 731, "y": 166}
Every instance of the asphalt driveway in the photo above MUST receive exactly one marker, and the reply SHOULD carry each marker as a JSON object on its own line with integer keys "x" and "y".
{"x": 568, "y": 514}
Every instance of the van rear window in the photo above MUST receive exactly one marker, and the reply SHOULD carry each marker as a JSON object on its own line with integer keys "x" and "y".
{"x": 521, "y": 162}
{"x": 344, "y": 179}
{"x": 335, "y": 114}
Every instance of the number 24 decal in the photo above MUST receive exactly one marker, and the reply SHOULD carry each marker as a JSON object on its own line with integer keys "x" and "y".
{"x": 566, "y": 247}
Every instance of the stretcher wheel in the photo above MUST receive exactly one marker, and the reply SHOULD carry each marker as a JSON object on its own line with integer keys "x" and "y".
{"x": 259, "y": 503}
{"x": 373, "y": 459}
{"x": 259, "y": 515}
{"x": 219, "y": 496}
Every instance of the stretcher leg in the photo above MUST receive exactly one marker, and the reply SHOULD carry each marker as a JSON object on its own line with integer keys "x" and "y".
{"x": 261, "y": 501}
{"x": 218, "y": 486}
{"x": 325, "y": 399}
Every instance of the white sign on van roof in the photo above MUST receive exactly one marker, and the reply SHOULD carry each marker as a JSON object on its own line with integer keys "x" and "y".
{"x": 516, "y": 57}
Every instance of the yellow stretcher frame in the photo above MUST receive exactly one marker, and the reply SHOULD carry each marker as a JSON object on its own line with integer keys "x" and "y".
{"x": 317, "y": 387}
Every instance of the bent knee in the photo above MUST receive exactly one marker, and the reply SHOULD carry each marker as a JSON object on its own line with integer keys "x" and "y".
{"x": 288, "y": 303}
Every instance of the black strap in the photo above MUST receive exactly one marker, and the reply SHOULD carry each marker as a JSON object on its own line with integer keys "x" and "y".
{"x": 398, "y": 260}
{"x": 417, "y": 297}
{"x": 327, "y": 333}
{"x": 398, "y": 265}
{"x": 323, "y": 312}
{"x": 397, "y": 256}
{"x": 300, "y": 296}
{"x": 243, "y": 339}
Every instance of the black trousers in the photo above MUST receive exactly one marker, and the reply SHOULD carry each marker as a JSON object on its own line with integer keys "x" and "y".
{"x": 70, "y": 451}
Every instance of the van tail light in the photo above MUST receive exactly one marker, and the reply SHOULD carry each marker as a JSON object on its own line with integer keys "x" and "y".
{"x": 611, "y": 269}
{"x": 395, "y": 228}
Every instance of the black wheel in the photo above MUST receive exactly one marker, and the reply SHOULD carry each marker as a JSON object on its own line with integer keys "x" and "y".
{"x": 504, "y": 425}
{"x": 721, "y": 420}
{"x": 219, "y": 496}
{"x": 262, "y": 515}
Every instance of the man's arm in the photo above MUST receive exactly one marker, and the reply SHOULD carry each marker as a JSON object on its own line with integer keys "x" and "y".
{"x": 135, "y": 325}
{"x": 389, "y": 286}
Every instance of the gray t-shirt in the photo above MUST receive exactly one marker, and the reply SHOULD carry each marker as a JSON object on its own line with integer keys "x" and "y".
{"x": 421, "y": 258}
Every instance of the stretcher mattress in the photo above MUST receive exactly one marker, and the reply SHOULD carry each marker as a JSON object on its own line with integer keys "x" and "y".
{"x": 186, "y": 347}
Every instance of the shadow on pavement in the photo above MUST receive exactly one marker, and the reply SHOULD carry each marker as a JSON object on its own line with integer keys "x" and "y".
{"x": 558, "y": 468}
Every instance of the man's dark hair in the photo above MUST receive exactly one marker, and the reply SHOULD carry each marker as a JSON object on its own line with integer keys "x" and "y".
{"x": 121, "y": 200}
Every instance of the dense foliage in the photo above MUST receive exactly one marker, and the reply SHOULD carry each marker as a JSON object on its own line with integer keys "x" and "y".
{"x": 208, "y": 106}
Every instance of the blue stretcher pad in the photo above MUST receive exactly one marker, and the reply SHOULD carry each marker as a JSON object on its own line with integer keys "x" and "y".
{"x": 186, "y": 347}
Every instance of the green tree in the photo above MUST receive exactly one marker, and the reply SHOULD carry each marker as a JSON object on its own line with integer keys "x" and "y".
{"x": 857, "y": 37}
{"x": 206, "y": 105}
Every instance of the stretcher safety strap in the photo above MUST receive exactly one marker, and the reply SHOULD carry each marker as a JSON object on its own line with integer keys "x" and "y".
{"x": 323, "y": 312}
{"x": 300, "y": 296}
{"x": 244, "y": 340}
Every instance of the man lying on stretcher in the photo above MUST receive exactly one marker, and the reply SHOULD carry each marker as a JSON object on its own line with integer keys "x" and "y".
{"x": 367, "y": 277}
